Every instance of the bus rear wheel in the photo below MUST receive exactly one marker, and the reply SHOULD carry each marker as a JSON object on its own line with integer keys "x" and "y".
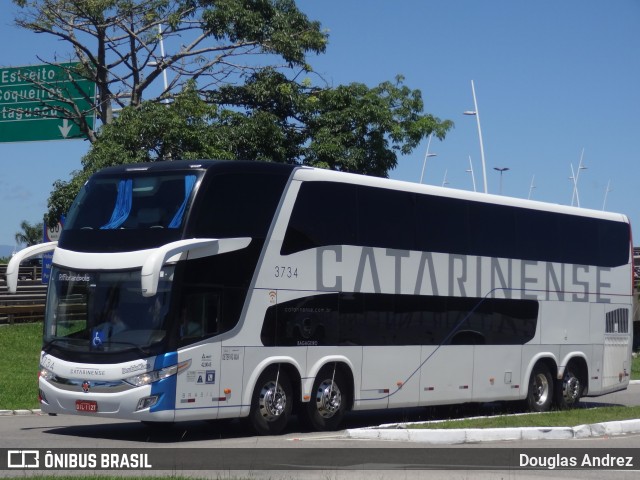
{"x": 569, "y": 390}
{"x": 328, "y": 403}
{"x": 271, "y": 402}
{"x": 540, "y": 392}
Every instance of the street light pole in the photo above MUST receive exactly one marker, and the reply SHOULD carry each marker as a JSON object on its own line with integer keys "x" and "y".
{"x": 426, "y": 155}
{"x": 473, "y": 177}
{"x": 574, "y": 177}
{"x": 501, "y": 170}
{"x": 164, "y": 70}
{"x": 476, "y": 112}
{"x": 531, "y": 187}
{"x": 606, "y": 192}
{"x": 165, "y": 80}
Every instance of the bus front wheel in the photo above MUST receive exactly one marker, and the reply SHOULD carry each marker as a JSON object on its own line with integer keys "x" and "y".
{"x": 540, "y": 392}
{"x": 271, "y": 402}
{"x": 326, "y": 408}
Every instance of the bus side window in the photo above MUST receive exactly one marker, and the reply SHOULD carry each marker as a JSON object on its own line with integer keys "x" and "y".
{"x": 199, "y": 315}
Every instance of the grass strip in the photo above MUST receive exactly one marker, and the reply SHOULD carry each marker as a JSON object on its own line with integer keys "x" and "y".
{"x": 635, "y": 366}
{"x": 561, "y": 418}
{"x": 19, "y": 360}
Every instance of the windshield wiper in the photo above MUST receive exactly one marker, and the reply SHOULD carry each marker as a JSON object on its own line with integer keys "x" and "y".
{"x": 52, "y": 341}
{"x": 69, "y": 340}
{"x": 137, "y": 347}
{"x": 76, "y": 342}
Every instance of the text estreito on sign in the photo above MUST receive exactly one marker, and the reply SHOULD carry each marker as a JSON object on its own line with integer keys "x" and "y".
{"x": 30, "y": 99}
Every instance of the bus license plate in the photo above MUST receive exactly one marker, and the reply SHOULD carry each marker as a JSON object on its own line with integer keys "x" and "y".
{"x": 86, "y": 406}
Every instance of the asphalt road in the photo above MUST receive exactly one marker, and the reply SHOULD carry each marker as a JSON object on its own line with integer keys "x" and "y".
{"x": 296, "y": 451}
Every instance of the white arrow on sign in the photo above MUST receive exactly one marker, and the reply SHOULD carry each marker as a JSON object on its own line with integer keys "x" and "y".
{"x": 65, "y": 128}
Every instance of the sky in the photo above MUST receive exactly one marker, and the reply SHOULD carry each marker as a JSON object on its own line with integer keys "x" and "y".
{"x": 555, "y": 81}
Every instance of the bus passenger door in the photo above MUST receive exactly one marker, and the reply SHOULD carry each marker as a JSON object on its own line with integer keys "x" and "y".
{"x": 198, "y": 389}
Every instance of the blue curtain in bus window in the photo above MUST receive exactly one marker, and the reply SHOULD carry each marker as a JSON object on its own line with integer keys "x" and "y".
{"x": 189, "y": 182}
{"x": 123, "y": 205}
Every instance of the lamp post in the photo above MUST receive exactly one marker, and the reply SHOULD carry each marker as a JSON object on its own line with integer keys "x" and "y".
{"x": 606, "y": 192}
{"x": 501, "y": 170}
{"x": 473, "y": 177}
{"x": 574, "y": 176}
{"x": 476, "y": 112}
{"x": 165, "y": 80}
{"x": 445, "y": 182}
{"x": 531, "y": 187}
{"x": 426, "y": 155}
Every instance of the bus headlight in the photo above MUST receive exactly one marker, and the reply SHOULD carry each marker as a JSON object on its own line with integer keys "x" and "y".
{"x": 46, "y": 374}
{"x": 150, "y": 377}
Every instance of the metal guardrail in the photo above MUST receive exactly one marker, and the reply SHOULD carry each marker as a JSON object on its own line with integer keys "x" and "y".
{"x": 27, "y": 304}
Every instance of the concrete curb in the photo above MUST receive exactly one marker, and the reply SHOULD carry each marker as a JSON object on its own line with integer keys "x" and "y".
{"x": 478, "y": 435}
{"x": 399, "y": 432}
{"x": 8, "y": 413}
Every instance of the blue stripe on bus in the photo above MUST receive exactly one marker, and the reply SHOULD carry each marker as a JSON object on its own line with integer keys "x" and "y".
{"x": 165, "y": 388}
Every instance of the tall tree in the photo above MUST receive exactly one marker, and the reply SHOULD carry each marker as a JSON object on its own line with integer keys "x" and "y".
{"x": 30, "y": 234}
{"x": 351, "y": 128}
{"x": 121, "y": 44}
{"x": 232, "y": 88}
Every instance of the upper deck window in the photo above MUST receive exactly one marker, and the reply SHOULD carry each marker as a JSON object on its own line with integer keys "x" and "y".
{"x": 132, "y": 202}
{"x": 331, "y": 213}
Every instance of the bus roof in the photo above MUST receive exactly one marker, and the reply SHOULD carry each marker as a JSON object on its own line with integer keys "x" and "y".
{"x": 304, "y": 173}
{"x": 315, "y": 174}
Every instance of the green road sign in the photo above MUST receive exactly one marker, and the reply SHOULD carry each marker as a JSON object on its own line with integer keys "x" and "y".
{"x": 30, "y": 99}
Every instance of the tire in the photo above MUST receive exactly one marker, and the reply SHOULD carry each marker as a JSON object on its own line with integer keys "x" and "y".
{"x": 540, "y": 391}
{"x": 568, "y": 390}
{"x": 325, "y": 411}
{"x": 271, "y": 402}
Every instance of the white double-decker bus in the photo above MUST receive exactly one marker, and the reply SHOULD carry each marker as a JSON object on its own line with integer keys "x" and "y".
{"x": 208, "y": 290}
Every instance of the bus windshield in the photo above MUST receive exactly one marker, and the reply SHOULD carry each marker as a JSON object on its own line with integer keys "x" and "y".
{"x": 105, "y": 312}
{"x": 131, "y": 201}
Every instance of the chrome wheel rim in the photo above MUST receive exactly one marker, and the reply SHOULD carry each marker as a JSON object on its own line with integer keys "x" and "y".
{"x": 570, "y": 388}
{"x": 272, "y": 401}
{"x": 328, "y": 398}
{"x": 540, "y": 389}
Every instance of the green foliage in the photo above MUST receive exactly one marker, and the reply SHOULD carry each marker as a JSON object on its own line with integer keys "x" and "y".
{"x": 31, "y": 234}
{"x": 183, "y": 129}
{"x": 213, "y": 41}
{"x": 561, "y": 418}
{"x": 230, "y": 95}
{"x": 19, "y": 360}
{"x": 358, "y": 129}
{"x": 351, "y": 128}
{"x": 277, "y": 25}
{"x": 186, "y": 128}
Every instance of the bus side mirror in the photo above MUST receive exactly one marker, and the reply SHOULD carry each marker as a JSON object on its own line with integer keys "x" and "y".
{"x": 182, "y": 250}
{"x": 13, "y": 269}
